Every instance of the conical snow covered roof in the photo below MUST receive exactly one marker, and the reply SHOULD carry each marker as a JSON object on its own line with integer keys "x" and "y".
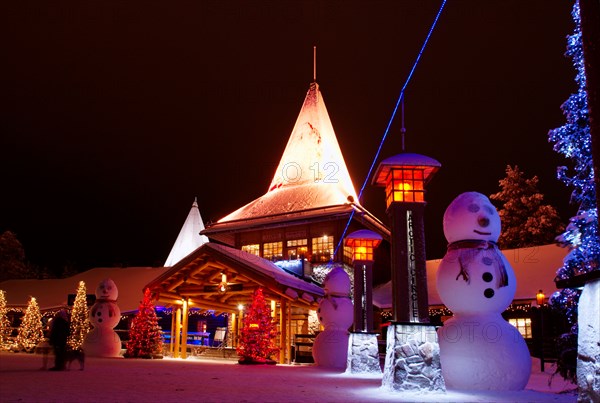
{"x": 312, "y": 172}
{"x": 189, "y": 238}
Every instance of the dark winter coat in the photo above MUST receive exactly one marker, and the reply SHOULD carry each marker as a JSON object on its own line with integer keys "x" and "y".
{"x": 59, "y": 332}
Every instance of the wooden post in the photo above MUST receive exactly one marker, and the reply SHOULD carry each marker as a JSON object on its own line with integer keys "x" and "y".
{"x": 288, "y": 346}
{"x": 173, "y": 333}
{"x": 176, "y": 353}
{"x": 233, "y": 330}
{"x": 184, "y": 328}
{"x": 283, "y": 330}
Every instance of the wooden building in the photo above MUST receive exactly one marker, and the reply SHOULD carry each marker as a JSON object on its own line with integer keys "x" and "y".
{"x": 283, "y": 242}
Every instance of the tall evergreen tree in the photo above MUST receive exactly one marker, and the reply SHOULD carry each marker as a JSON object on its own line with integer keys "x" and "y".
{"x": 526, "y": 221}
{"x": 258, "y": 331}
{"x": 145, "y": 335}
{"x": 31, "y": 330}
{"x": 13, "y": 263}
{"x": 574, "y": 141}
{"x": 12, "y": 257}
{"x": 5, "y": 328}
{"x": 80, "y": 323}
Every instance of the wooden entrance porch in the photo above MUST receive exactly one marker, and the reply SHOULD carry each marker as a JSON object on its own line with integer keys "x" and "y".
{"x": 223, "y": 279}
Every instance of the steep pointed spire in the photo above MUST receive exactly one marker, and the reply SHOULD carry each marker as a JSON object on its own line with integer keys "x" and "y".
{"x": 312, "y": 154}
{"x": 312, "y": 172}
{"x": 189, "y": 238}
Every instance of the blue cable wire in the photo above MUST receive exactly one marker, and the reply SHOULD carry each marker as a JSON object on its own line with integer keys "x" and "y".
{"x": 389, "y": 125}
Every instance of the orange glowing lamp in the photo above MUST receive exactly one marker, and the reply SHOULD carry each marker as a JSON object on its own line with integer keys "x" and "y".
{"x": 222, "y": 287}
{"x": 363, "y": 243}
{"x": 253, "y": 326}
{"x": 404, "y": 177}
{"x": 540, "y": 298}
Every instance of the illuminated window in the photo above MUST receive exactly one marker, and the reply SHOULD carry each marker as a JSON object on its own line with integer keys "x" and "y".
{"x": 363, "y": 249}
{"x": 322, "y": 249}
{"x": 253, "y": 249}
{"x": 297, "y": 248}
{"x": 348, "y": 252}
{"x": 405, "y": 185}
{"x": 523, "y": 325}
{"x": 273, "y": 250}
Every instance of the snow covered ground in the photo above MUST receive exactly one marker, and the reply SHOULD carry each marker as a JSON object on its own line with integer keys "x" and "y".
{"x": 193, "y": 380}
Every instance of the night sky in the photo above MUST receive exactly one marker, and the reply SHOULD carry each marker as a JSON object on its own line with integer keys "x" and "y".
{"x": 115, "y": 115}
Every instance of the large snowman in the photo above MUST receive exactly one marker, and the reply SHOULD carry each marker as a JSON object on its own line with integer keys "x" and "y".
{"x": 336, "y": 314}
{"x": 479, "y": 350}
{"x": 102, "y": 340}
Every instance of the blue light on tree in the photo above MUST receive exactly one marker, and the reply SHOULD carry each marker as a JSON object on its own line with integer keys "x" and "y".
{"x": 574, "y": 141}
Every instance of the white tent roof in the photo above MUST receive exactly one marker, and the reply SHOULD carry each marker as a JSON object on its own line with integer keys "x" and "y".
{"x": 189, "y": 238}
{"x": 535, "y": 269}
{"x": 312, "y": 172}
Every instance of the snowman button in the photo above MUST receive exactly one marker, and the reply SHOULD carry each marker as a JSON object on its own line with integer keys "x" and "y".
{"x": 488, "y": 261}
{"x": 487, "y": 276}
{"x": 488, "y": 293}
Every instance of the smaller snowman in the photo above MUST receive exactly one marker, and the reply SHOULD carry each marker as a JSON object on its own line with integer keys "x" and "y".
{"x": 479, "y": 350}
{"x": 102, "y": 340}
{"x": 336, "y": 314}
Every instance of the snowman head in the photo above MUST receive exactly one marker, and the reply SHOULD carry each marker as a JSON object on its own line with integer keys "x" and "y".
{"x": 471, "y": 216}
{"x": 337, "y": 283}
{"x": 107, "y": 290}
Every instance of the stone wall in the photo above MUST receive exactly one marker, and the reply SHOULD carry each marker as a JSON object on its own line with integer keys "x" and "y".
{"x": 412, "y": 359}
{"x": 363, "y": 354}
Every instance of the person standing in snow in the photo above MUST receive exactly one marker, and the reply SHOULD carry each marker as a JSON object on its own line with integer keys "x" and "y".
{"x": 59, "y": 332}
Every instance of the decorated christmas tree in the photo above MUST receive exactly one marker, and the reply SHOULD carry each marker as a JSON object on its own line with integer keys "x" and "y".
{"x": 574, "y": 141}
{"x": 145, "y": 335}
{"x": 31, "y": 331}
{"x": 258, "y": 332}
{"x": 5, "y": 328}
{"x": 80, "y": 324}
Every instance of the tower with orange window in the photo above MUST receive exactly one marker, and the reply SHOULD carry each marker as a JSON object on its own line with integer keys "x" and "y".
{"x": 404, "y": 177}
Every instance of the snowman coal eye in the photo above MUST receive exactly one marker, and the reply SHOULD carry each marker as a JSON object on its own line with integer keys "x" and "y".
{"x": 473, "y": 208}
{"x": 488, "y": 209}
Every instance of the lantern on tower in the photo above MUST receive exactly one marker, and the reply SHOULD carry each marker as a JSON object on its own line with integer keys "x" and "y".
{"x": 404, "y": 177}
{"x": 363, "y": 244}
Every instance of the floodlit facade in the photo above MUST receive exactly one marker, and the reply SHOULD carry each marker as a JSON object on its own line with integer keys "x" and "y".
{"x": 284, "y": 242}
